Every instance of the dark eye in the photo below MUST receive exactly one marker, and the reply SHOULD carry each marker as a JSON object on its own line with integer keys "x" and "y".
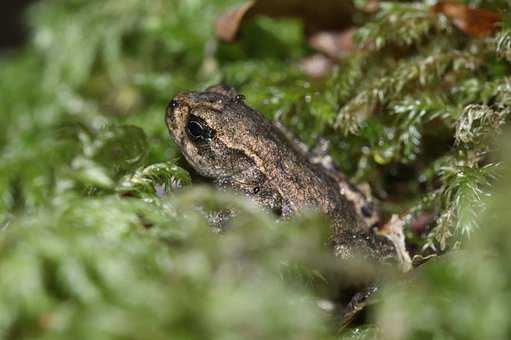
{"x": 195, "y": 129}
{"x": 198, "y": 130}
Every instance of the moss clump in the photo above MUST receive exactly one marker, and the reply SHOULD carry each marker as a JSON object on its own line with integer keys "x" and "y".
{"x": 101, "y": 234}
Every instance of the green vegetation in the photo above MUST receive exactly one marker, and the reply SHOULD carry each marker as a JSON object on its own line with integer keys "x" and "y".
{"x": 103, "y": 233}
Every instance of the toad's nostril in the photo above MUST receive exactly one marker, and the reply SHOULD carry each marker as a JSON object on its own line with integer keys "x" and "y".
{"x": 172, "y": 105}
{"x": 169, "y": 113}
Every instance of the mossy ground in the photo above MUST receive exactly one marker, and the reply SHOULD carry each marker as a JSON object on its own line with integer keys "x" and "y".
{"x": 100, "y": 234}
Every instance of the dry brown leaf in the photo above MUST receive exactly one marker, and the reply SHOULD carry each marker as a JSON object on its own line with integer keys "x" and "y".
{"x": 316, "y": 15}
{"x": 371, "y": 6}
{"x": 478, "y": 23}
{"x": 393, "y": 231}
{"x": 316, "y": 66}
{"x": 227, "y": 25}
{"x": 419, "y": 223}
{"x": 333, "y": 44}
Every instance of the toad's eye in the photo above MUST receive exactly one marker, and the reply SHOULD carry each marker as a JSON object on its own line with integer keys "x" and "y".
{"x": 195, "y": 129}
{"x": 198, "y": 130}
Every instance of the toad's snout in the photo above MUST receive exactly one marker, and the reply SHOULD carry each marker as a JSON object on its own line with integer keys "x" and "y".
{"x": 171, "y": 107}
{"x": 175, "y": 110}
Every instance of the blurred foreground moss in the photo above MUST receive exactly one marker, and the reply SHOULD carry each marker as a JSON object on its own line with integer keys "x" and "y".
{"x": 122, "y": 268}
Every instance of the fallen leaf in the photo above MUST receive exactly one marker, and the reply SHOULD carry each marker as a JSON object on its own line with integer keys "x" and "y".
{"x": 419, "y": 224}
{"x": 318, "y": 15}
{"x": 316, "y": 66}
{"x": 476, "y": 22}
{"x": 393, "y": 231}
{"x": 227, "y": 25}
{"x": 371, "y": 6}
{"x": 333, "y": 44}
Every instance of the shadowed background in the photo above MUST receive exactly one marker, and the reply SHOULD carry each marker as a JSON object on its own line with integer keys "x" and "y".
{"x": 13, "y": 31}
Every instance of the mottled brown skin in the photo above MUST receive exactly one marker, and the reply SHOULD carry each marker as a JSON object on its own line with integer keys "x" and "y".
{"x": 226, "y": 140}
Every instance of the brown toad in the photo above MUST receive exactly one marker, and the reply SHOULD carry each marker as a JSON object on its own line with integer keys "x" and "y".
{"x": 226, "y": 140}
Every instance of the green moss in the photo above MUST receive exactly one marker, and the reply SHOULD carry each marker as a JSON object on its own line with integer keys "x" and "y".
{"x": 102, "y": 231}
